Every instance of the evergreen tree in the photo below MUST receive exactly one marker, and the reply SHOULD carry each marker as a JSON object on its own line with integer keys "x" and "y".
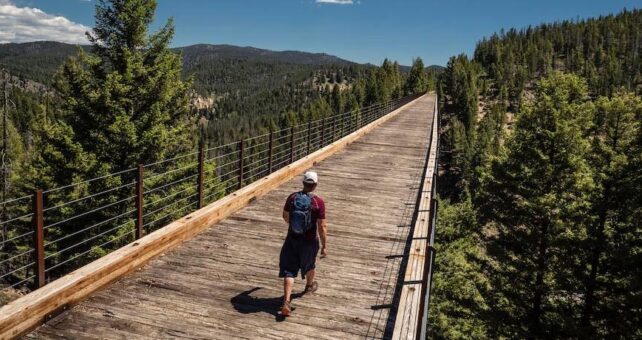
{"x": 373, "y": 89}
{"x": 458, "y": 306}
{"x": 122, "y": 104}
{"x": 536, "y": 199}
{"x": 337, "y": 99}
{"x": 417, "y": 81}
{"x": 128, "y": 104}
{"x": 610, "y": 247}
{"x": 557, "y": 194}
{"x": 460, "y": 90}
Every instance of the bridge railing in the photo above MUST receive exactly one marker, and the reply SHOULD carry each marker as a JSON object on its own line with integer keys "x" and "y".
{"x": 429, "y": 262}
{"x": 411, "y": 320}
{"x": 52, "y": 232}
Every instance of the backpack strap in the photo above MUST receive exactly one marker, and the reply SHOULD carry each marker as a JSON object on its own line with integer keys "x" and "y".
{"x": 313, "y": 201}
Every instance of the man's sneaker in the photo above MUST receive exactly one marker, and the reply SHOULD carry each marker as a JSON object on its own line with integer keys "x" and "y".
{"x": 286, "y": 309}
{"x": 311, "y": 288}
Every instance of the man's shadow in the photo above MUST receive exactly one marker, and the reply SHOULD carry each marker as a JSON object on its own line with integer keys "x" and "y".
{"x": 246, "y": 303}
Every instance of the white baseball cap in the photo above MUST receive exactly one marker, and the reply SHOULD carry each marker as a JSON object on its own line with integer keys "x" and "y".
{"x": 310, "y": 177}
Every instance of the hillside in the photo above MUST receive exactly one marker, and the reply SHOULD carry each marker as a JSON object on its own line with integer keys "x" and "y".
{"x": 231, "y": 81}
{"x": 539, "y": 224}
{"x": 38, "y": 61}
{"x": 200, "y": 52}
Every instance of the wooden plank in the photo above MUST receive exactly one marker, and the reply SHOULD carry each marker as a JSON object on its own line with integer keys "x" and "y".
{"x": 22, "y": 315}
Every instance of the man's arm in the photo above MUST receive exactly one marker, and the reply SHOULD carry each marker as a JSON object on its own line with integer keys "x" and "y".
{"x": 286, "y": 210}
{"x": 323, "y": 235}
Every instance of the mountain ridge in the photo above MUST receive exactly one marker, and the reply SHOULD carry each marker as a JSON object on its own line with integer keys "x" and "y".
{"x": 38, "y": 61}
{"x": 259, "y": 54}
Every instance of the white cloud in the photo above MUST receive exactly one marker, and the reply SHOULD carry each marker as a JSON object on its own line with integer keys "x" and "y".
{"x": 337, "y": 2}
{"x": 23, "y": 24}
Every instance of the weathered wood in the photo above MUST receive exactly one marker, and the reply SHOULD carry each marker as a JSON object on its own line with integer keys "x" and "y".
{"x": 23, "y": 314}
{"x": 410, "y": 301}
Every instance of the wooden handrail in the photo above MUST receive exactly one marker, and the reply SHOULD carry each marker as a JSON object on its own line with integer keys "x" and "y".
{"x": 410, "y": 321}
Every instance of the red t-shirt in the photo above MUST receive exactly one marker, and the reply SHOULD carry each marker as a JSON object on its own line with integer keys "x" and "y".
{"x": 318, "y": 212}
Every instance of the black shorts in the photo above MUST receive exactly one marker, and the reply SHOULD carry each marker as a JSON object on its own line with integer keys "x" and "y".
{"x": 298, "y": 254}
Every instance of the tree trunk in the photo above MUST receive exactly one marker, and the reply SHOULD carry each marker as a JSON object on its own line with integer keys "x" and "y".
{"x": 589, "y": 300}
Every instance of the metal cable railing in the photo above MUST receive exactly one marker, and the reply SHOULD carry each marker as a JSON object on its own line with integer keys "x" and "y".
{"x": 53, "y": 232}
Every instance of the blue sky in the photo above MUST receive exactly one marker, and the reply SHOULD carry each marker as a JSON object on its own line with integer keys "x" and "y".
{"x": 362, "y": 31}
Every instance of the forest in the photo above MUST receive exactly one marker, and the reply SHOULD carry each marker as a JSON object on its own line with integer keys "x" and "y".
{"x": 81, "y": 121}
{"x": 540, "y": 185}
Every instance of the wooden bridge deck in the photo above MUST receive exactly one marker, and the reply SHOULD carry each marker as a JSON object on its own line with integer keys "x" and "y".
{"x": 223, "y": 284}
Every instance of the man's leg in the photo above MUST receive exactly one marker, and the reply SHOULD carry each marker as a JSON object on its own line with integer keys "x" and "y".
{"x": 288, "y": 282}
{"x": 309, "y": 263}
{"x": 309, "y": 277}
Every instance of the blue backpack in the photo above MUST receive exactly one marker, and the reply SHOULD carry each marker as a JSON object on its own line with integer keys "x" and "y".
{"x": 301, "y": 213}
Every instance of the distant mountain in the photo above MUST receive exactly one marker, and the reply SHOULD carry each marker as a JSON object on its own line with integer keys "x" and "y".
{"x": 202, "y": 51}
{"x": 435, "y": 68}
{"x": 431, "y": 68}
{"x": 38, "y": 61}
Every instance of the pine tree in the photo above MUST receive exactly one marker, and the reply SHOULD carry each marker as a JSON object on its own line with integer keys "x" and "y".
{"x": 337, "y": 99}
{"x": 458, "y": 306}
{"x": 536, "y": 198}
{"x": 126, "y": 102}
{"x": 610, "y": 276}
{"x": 373, "y": 89}
{"x": 417, "y": 81}
{"x": 461, "y": 94}
{"x": 122, "y": 104}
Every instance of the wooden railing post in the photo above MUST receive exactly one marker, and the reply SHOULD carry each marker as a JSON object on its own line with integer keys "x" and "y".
{"x": 322, "y": 133}
{"x": 292, "y": 145}
{"x": 201, "y": 171}
{"x": 309, "y": 135}
{"x": 139, "y": 201}
{"x": 271, "y": 152}
{"x": 241, "y": 172}
{"x": 39, "y": 239}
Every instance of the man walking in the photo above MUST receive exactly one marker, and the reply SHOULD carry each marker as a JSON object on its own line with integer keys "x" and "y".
{"x": 305, "y": 214}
